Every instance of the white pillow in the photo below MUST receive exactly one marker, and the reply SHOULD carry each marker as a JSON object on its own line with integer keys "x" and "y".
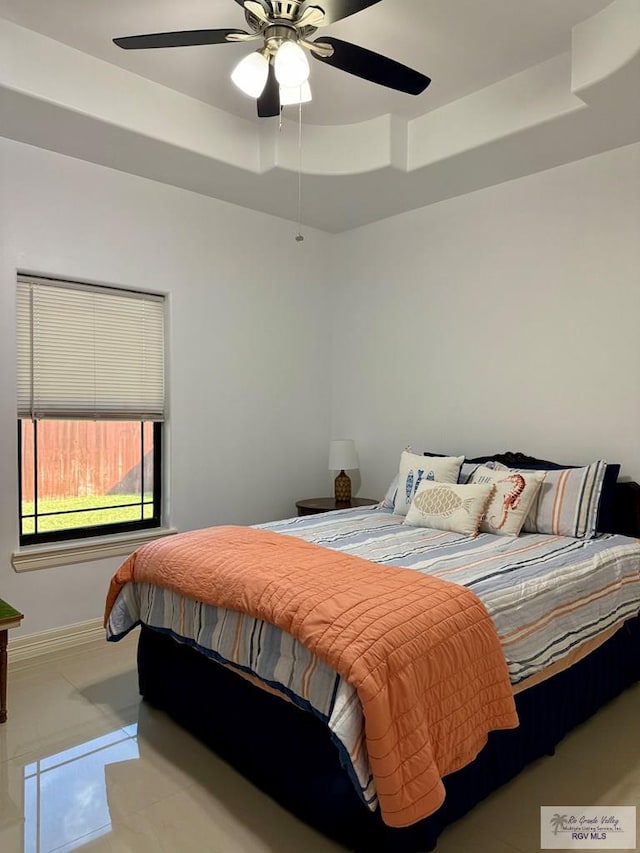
{"x": 390, "y": 495}
{"x": 510, "y": 503}
{"x": 469, "y": 468}
{"x": 414, "y": 469}
{"x": 444, "y": 506}
{"x": 464, "y": 476}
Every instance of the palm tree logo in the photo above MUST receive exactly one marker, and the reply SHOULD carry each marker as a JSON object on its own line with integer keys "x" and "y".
{"x": 557, "y": 822}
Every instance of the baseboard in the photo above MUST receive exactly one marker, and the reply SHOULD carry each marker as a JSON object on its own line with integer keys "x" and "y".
{"x": 55, "y": 640}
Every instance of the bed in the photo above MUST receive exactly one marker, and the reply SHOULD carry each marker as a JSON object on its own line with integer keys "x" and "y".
{"x": 307, "y": 755}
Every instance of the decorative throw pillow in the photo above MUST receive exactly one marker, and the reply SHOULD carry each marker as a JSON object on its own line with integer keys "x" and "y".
{"x": 468, "y": 469}
{"x": 390, "y": 495}
{"x": 414, "y": 469}
{"x": 567, "y": 502}
{"x": 510, "y": 503}
{"x": 446, "y": 506}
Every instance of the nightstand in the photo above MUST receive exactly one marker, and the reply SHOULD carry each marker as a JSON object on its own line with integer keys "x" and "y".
{"x": 313, "y": 506}
{"x": 9, "y": 618}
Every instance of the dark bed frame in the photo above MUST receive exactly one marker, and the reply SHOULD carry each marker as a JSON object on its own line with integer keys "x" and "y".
{"x": 288, "y": 753}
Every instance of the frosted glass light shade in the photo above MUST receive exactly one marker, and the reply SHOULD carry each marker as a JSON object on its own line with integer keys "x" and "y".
{"x": 342, "y": 455}
{"x": 291, "y": 65}
{"x": 250, "y": 74}
{"x": 290, "y": 95}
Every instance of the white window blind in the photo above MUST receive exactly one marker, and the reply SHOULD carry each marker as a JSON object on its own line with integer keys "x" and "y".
{"x": 89, "y": 352}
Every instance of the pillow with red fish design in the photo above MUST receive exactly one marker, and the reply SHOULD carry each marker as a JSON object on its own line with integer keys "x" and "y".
{"x": 514, "y": 493}
{"x": 568, "y": 501}
{"x": 445, "y": 506}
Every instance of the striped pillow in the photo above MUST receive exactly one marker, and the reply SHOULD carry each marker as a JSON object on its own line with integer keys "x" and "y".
{"x": 568, "y": 501}
{"x": 468, "y": 469}
{"x": 390, "y": 495}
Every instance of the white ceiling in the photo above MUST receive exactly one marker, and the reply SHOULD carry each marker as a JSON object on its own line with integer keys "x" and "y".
{"x": 518, "y": 86}
{"x": 463, "y": 45}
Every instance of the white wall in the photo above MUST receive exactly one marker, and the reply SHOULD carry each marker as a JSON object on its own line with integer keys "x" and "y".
{"x": 507, "y": 319}
{"x": 248, "y": 348}
{"x": 504, "y": 319}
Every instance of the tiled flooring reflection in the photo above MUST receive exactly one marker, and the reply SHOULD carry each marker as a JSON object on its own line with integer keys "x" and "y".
{"x": 84, "y": 765}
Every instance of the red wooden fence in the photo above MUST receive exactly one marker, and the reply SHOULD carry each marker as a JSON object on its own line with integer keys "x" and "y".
{"x": 77, "y": 458}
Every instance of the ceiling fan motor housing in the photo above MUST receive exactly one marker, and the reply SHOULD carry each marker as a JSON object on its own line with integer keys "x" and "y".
{"x": 281, "y": 22}
{"x": 277, "y": 34}
{"x": 286, "y": 9}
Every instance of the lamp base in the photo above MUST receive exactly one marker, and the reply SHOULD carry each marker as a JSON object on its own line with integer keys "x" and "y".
{"x": 342, "y": 490}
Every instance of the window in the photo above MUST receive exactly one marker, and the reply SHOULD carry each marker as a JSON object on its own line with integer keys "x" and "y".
{"x": 90, "y": 409}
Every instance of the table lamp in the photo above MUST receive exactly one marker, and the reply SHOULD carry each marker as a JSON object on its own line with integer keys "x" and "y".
{"x": 343, "y": 456}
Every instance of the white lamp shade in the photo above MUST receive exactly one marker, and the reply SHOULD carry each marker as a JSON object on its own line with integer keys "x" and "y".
{"x": 291, "y": 65}
{"x": 291, "y": 95}
{"x": 342, "y": 455}
{"x": 250, "y": 74}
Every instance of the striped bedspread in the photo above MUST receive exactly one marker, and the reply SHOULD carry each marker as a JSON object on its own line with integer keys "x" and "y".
{"x": 547, "y": 595}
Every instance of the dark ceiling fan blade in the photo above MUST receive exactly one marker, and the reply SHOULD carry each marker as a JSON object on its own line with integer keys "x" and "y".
{"x": 188, "y": 38}
{"x": 373, "y": 67}
{"x": 336, "y": 10}
{"x": 269, "y": 100}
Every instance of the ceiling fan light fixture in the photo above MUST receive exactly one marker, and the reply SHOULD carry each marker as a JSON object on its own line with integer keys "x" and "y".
{"x": 250, "y": 74}
{"x": 291, "y": 65}
{"x": 294, "y": 95}
{"x": 283, "y": 27}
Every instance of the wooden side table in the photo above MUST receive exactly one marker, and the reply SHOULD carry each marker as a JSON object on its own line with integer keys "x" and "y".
{"x": 9, "y": 618}
{"x": 313, "y": 506}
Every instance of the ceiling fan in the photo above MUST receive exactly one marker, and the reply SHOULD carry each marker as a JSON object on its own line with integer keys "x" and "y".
{"x": 277, "y": 74}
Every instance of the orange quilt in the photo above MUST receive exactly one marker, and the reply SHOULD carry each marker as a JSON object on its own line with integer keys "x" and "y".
{"x": 421, "y": 652}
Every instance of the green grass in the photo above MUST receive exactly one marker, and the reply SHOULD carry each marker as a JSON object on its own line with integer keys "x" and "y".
{"x": 91, "y": 516}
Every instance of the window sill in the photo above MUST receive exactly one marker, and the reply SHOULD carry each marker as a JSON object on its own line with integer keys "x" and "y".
{"x": 81, "y": 551}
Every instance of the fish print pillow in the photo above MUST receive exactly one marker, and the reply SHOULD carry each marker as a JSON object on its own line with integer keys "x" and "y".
{"x": 514, "y": 493}
{"x": 445, "y": 506}
{"x": 464, "y": 476}
{"x": 415, "y": 469}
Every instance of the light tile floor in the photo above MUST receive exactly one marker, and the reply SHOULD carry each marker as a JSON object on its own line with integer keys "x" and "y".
{"x": 84, "y": 765}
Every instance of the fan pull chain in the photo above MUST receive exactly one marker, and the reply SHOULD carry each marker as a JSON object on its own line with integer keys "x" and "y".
{"x": 299, "y": 235}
